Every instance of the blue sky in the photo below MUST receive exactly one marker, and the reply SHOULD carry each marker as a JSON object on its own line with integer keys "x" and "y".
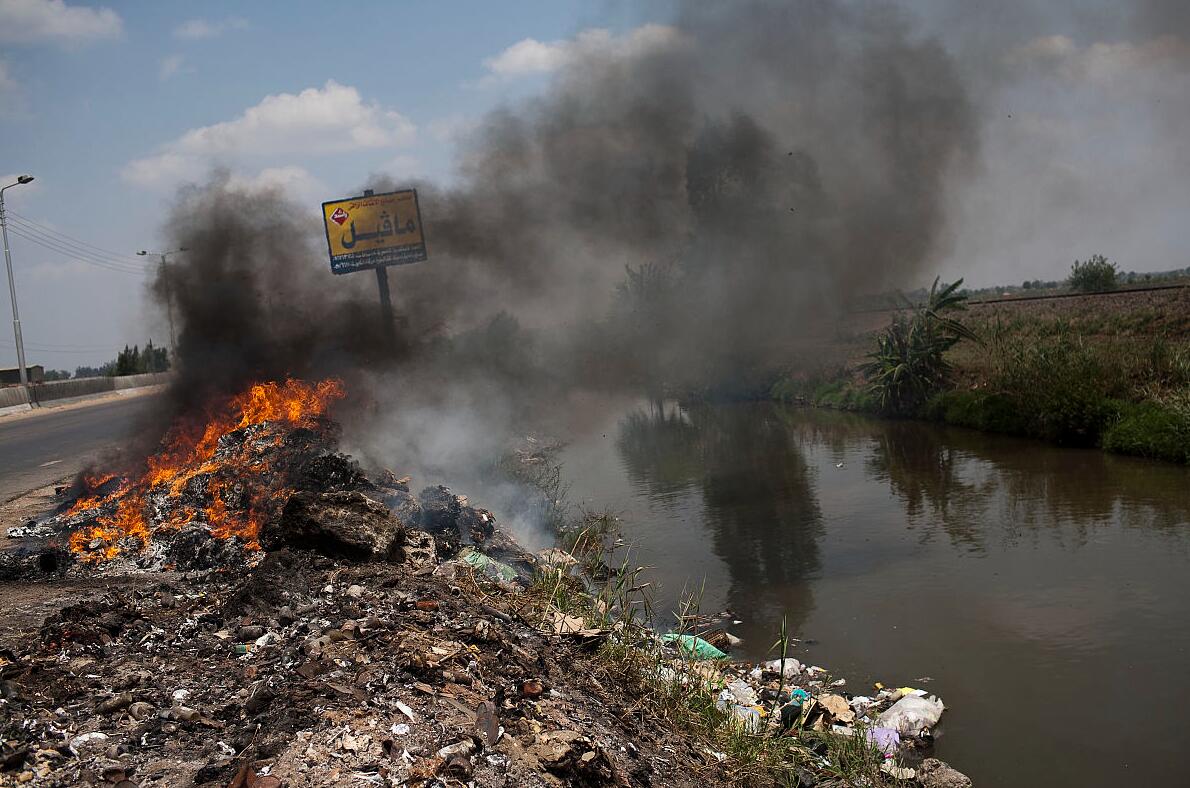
{"x": 1083, "y": 107}
{"x": 96, "y": 102}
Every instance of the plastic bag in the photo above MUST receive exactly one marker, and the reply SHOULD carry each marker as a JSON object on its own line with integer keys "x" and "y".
{"x": 792, "y": 666}
{"x": 887, "y": 740}
{"x": 490, "y": 566}
{"x": 747, "y": 717}
{"x": 912, "y": 714}
{"x": 693, "y": 646}
{"x": 743, "y": 692}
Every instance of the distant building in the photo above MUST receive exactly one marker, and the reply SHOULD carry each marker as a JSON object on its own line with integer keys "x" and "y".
{"x": 11, "y": 376}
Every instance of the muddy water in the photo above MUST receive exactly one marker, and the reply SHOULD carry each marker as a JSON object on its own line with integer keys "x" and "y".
{"x": 1041, "y": 592}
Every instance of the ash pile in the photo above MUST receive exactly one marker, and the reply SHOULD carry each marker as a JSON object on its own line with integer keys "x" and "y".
{"x": 376, "y": 637}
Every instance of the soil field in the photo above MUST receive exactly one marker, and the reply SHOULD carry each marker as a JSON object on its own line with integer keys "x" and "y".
{"x": 1148, "y": 312}
{"x": 1120, "y": 314}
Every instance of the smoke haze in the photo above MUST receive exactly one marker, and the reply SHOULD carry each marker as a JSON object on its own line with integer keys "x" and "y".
{"x": 693, "y": 204}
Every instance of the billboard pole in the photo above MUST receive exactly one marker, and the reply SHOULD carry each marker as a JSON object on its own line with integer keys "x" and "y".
{"x": 386, "y": 300}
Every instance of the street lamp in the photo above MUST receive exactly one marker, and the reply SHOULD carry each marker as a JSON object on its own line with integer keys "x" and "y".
{"x": 169, "y": 292}
{"x": 12, "y": 287}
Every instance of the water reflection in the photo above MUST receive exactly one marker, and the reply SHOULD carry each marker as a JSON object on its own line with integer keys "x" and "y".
{"x": 933, "y": 479}
{"x": 978, "y": 487}
{"x": 1017, "y": 575}
{"x": 757, "y": 490}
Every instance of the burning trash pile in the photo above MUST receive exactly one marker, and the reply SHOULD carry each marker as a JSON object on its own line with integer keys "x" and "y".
{"x": 217, "y": 478}
{"x": 252, "y": 609}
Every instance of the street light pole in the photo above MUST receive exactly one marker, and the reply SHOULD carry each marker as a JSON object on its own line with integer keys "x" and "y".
{"x": 169, "y": 291}
{"x": 12, "y": 286}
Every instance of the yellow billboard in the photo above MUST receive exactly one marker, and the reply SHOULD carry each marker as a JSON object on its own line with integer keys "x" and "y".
{"x": 373, "y": 230}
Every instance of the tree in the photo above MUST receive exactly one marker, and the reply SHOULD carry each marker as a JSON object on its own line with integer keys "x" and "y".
{"x": 128, "y": 361}
{"x": 1093, "y": 276}
{"x": 154, "y": 359}
{"x": 107, "y": 370}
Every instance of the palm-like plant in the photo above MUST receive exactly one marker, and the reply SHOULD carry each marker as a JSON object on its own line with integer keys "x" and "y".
{"x": 908, "y": 365}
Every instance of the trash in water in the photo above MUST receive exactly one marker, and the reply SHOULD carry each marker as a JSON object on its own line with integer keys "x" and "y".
{"x": 722, "y": 639}
{"x": 887, "y": 740}
{"x": 792, "y": 668}
{"x": 912, "y": 714}
{"x": 693, "y": 646}
{"x": 838, "y": 707}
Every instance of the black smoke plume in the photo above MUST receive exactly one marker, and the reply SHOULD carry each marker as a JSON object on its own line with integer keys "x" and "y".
{"x": 752, "y": 163}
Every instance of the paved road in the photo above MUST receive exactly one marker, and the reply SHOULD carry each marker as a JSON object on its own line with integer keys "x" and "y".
{"x": 39, "y": 449}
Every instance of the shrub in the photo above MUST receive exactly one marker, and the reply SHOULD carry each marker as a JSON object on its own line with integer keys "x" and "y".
{"x": 981, "y": 410}
{"x": 1147, "y": 429}
{"x": 1063, "y": 390}
{"x": 1094, "y": 275}
{"x": 907, "y": 366}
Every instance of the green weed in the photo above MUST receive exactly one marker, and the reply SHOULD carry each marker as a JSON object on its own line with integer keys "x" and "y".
{"x": 1148, "y": 429}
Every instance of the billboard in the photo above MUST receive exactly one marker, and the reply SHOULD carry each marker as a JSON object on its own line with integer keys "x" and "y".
{"x": 374, "y": 230}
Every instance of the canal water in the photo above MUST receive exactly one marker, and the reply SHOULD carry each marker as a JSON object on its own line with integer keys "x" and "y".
{"x": 1041, "y": 592}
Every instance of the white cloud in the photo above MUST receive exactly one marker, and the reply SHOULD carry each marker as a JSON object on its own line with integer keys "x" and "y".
{"x": 530, "y": 56}
{"x": 403, "y": 166}
{"x": 23, "y": 21}
{"x": 169, "y": 67}
{"x": 1106, "y": 64}
{"x": 163, "y": 170}
{"x": 452, "y": 128}
{"x": 194, "y": 29}
{"x": 292, "y": 180}
{"x": 326, "y": 120}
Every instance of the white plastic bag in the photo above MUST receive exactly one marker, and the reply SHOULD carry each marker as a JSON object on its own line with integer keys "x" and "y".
{"x": 912, "y": 714}
{"x": 792, "y": 666}
{"x": 743, "y": 693}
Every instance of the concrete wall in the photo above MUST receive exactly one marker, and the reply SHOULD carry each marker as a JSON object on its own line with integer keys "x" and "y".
{"x": 61, "y": 389}
{"x": 12, "y": 396}
{"x": 136, "y": 381}
{"x": 64, "y": 389}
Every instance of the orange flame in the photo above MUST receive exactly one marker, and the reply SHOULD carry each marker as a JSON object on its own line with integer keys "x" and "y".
{"x": 189, "y": 450}
{"x": 91, "y": 483}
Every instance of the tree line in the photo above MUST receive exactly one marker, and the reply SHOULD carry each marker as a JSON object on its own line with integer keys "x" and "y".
{"x": 133, "y": 360}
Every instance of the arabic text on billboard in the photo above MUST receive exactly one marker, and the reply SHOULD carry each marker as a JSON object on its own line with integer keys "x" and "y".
{"x": 374, "y": 230}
